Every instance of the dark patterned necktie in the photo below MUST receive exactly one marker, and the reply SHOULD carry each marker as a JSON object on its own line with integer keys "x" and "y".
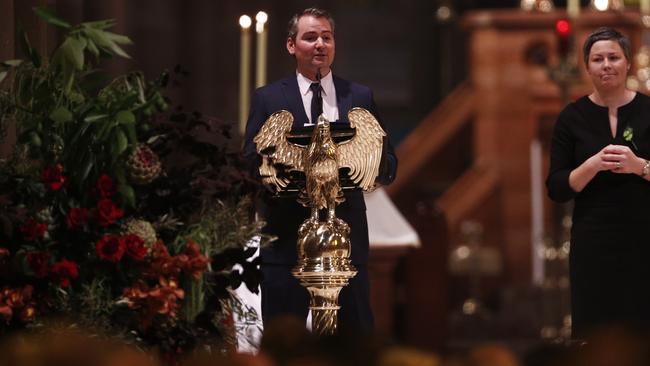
{"x": 316, "y": 102}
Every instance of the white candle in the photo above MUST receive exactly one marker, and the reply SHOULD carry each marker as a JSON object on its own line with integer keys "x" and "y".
{"x": 573, "y": 8}
{"x": 260, "y": 72}
{"x": 244, "y": 71}
{"x": 644, "y": 6}
{"x": 537, "y": 208}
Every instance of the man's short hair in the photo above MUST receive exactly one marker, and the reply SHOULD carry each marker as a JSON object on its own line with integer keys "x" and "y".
{"x": 292, "y": 29}
{"x": 607, "y": 34}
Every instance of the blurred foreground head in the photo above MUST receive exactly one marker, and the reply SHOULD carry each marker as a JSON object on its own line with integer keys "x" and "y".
{"x": 613, "y": 346}
{"x": 286, "y": 339}
{"x": 492, "y": 355}
{"x": 403, "y": 356}
{"x": 69, "y": 347}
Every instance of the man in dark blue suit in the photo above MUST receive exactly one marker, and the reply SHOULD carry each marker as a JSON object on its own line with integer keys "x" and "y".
{"x": 311, "y": 41}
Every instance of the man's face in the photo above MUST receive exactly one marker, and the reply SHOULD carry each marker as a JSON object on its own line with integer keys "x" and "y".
{"x": 314, "y": 46}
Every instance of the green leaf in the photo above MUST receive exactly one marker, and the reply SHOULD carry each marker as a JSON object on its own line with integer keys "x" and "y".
{"x": 130, "y": 132}
{"x": 628, "y": 134}
{"x": 118, "y": 50}
{"x": 23, "y": 92}
{"x": 127, "y": 192}
{"x": 103, "y": 41}
{"x": 120, "y": 175}
{"x": 95, "y": 117}
{"x": 11, "y": 63}
{"x": 118, "y": 38}
{"x": 99, "y": 24}
{"x": 35, "y": 139}
{"x": 121, "y": 142}
{"x": 82, "y": 40}
{"x": 92, "y": 48}
{"x": 104, "y": 128}
{"x": 80, "y": 132}
{"x": 98, "y": 37}
{"x": 68, "y": 76}
{"x": 50, "y": 17}
{"x": 76, "y": 97}
{"x": 73, "y": 49}
{"x": 27, "y": 48}
{"x": 125, "y": 117}
{"x": 61, "y": 115}
{"x": 87, "y": 167}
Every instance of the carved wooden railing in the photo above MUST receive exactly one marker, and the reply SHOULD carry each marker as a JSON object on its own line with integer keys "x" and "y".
{"x": 431, "y": 135}
{"x": 473, "y": 188}
{"x": 426, "y": 311}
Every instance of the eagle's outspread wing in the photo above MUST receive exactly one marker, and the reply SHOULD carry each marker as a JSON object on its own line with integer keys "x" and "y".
{"x": 272, "y": 144}
{"x": 362, "y": 153}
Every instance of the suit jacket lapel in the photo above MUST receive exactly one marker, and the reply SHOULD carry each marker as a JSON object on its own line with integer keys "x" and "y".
{"x": 294, "y": 101}
{"x": 343, "y": 99}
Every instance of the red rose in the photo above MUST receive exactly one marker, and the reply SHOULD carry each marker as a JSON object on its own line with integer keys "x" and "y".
{"x": 64, "y": 271}
{"x": 77, "y": 217}
{"x": 39, "y": 263}
{"x": 110, "y": 248}
{"x": 33, "y": 230}
{"x": 4, "y": 253}
{"x": 107, "y": 212}
{"x": 52, "y": 177}
{"x": 135, "y": 247}
{"x": 105, "y": 186}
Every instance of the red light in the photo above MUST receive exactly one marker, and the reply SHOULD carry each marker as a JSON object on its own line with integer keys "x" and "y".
{"x": 563, "y": 27}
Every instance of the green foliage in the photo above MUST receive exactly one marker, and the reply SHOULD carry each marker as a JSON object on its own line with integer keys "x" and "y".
{"x": 56, "y": 105}
{"x": 628, "y": 135}
{"x": 214, "y": 231}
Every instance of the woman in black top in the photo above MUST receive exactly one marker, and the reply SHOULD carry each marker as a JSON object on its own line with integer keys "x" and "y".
{"x": 598, "y": 158}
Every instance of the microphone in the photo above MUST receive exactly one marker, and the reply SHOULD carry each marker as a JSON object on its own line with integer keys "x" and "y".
{"x": 318, "y": 95}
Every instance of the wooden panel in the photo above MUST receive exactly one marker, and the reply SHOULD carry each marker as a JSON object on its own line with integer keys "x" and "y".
{"x": 34, "y": 26}
{"x": 384, "y": 289}
{"x": 6, "y": 30}
{"x": 6, "y": 53}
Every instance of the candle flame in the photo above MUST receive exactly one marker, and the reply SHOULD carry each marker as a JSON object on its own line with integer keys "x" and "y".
{"x": 245, "y": 21}
{"x": 261, "y": 19}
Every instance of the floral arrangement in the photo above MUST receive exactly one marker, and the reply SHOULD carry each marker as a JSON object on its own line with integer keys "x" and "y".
{"x": 115, "y": 211}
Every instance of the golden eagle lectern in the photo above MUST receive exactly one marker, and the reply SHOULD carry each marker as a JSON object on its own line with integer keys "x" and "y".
{"x": 323, "y": 246}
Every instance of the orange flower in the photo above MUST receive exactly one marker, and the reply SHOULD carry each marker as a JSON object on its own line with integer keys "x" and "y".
{"x": 17, "y": 300}
{"x": 194, "y": 263}
{"x": 28, "y": 314}
{"x": 159, "y": 300}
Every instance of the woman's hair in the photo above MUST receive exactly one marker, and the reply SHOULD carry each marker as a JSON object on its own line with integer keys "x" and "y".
{"x": 292, "y": 29}
{"x": 607, "y": 34}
